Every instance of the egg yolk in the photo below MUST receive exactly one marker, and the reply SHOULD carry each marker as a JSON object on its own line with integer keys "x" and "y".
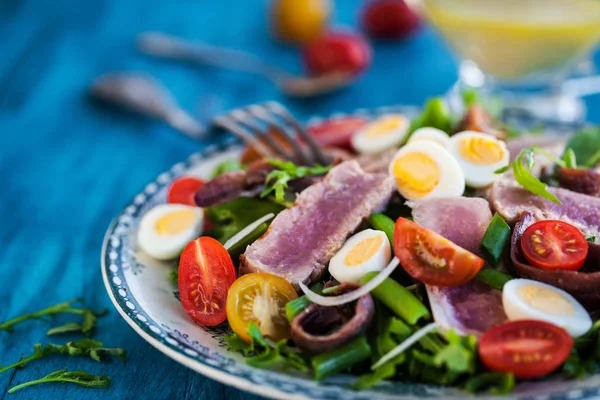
{"x": 480, "y": 151}
{"x": 546, "y": 300}
{"x": 384, "y": 127}
{"x": 174, "y": 222}
{"x": 416, "y": 174}
{"x": 363, "y": 251}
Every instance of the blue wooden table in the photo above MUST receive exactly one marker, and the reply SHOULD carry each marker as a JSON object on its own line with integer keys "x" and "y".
{"x": 68, "y": 166}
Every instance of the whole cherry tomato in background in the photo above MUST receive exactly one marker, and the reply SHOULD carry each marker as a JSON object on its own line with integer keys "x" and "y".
{"x": 337, "y": 52}
{"x": 300, "y": 21}
{"x": 389, "y": 19}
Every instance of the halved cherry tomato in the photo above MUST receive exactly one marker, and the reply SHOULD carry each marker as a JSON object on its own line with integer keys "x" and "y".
{"x": 554, "y": 245}
{"x": 529, "y": 349}
{"x": 183, "y": 189}
{"x": 431, "y": 258}
{"x": 260, "y": 298}
{"x": 336, "y": 132}
{"x": 206, "y": 273}
{"x": 337, "y": 53}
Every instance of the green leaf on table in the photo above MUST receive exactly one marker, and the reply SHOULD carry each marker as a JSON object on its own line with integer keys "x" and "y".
{"x": 89, "y": 318}
{"x": 69, "y": 327}
{"x": 80, "y": 378}
{"x": 82, "y": 347}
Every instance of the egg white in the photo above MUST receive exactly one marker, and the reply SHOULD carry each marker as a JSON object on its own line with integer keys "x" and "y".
{"x": 429, "y": 133}
{"x": 452, "y": 180}
{"x": 516, "y": 308}
{"x": 365, "y": 144}
{"x": 167, "y": 247}
{"x": 353, "y": 274}
{"x": 478, "y": 176}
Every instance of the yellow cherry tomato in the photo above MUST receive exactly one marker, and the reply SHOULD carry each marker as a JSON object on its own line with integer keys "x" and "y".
{"x": 299, "y": 21}
{"x": 260, "y": 298}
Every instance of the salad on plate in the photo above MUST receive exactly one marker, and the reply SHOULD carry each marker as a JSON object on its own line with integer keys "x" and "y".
{"x": 435, "y": 249}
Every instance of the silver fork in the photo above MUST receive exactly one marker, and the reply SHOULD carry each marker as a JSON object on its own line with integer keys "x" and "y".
{"x": 252, "y": 125}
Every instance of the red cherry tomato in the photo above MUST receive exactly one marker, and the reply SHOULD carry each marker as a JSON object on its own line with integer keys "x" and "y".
{"x": 389, "y": 19}
{"x": 554, "y": 245}
{"x": 431, "y": 258}
{"x": 337, "y": 53}
{"x": 529, "y": 349}
{"x": 336, "y": 132}
{"x": 206, "y": 273}
{"x": 183, "y": 189}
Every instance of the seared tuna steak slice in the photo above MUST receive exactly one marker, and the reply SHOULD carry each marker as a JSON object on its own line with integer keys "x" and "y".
{"x": 302, "y": 239}
{"x": 473, "y": 307}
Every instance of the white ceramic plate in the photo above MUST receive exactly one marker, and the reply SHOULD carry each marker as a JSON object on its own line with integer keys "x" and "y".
{"x": 141, "y": 290}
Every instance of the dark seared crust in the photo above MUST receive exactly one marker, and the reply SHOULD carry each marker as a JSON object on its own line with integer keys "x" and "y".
{"x": 584, "y": 284}
{"x": 586, "y": 181}
{"x": 320, "y": 317}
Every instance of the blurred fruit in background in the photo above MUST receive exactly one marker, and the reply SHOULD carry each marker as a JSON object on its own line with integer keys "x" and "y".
{"x": 389, "y": 19}
{"x": 337, "y": 132}
{"x": 337, "y": 52}
{"x": 300, "y": 21}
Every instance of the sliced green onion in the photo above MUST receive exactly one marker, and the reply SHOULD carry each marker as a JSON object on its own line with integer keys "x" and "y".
{"x": 401, "y": 301}
{"x": 342, "y": 358}
{"x": 494, "y": 278}
{"x": 570, "y": 159}
{"x": 296, "y": 306}
{"x": 385, "y": 224}
{"x": 495, "y": 240}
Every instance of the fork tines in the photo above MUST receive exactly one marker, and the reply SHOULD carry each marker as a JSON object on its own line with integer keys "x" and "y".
{"x": 273, "y": 132}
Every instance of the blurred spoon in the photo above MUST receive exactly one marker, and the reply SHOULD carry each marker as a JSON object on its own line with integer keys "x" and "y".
{"x": 145, "y": 95}
{"x": 166, "y": 46}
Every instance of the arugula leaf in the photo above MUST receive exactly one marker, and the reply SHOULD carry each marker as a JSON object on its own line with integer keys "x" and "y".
{"x": 391, "y": 332}
{"x": 459, "y": 355}
{"x": 233, "y": 216}
{"x": 80, "y": 378}
{"x": 522, "y": 166}
{"x": 89, "y": 318}
{"x": 585, "y": 144}
{"x": 495, "y": 382}
{"x": 261, "y": 353}
{"x": 278, "y": 179}
{"x": 227, "y": 166}
{"x": 66, "y": 328}
{"x": 82, "y": 347}
{"x": 585, "y": 354}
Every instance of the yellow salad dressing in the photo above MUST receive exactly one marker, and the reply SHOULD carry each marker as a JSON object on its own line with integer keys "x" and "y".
{"x": 511, "y": 39}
